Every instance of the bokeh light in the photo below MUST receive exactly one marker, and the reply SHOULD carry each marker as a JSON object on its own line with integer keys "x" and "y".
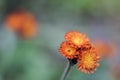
{"x": 22, "y": 23}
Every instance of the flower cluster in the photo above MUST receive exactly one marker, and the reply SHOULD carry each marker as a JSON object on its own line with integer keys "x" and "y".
{"x": 77, "y": 46}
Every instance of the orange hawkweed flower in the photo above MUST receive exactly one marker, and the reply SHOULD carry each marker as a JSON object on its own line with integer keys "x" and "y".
{"x": 14, "y": 21}
{"x": 78, "y": 49}
{"x": 29, "y": 28}
{"x": 76, "y": 38}
{"x": 22, "y": 23}
{"x": 67, "y": 50}
{"x": 105, "y": 49}
{"x": 88, "y": 61}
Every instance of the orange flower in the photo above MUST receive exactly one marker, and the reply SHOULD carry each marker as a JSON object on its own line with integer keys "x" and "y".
{"x": 88, "y": 61}
{"x": 22, "y": 23}
{"x": 14, "y": 21}
{"x": 29, "y": 28}
{"x": 76, "y": 38}
{"x": 67, "y": 50}
{"x": 105, "y": 49}
{"x": 78, "y": 49}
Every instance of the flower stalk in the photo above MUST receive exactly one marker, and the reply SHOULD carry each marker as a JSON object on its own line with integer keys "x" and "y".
{"x": 70, "y": 63}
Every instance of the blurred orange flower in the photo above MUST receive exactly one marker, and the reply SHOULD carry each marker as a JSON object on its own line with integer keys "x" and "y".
{"x": 76, "y": 38}
{"x": 105, "y": 49}
{"x": 22, "y": 23}
{"x": 77, "y": 46}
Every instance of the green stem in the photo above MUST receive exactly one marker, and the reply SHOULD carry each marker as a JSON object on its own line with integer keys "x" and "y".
{"x": 67, "y": 70}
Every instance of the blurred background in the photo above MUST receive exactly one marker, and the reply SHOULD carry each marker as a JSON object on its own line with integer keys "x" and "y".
{"x": 31, "y": 32}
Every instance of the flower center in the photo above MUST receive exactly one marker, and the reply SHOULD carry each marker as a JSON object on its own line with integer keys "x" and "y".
{"x": 88, "y": 60}
{"x": 70, "y": 50}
